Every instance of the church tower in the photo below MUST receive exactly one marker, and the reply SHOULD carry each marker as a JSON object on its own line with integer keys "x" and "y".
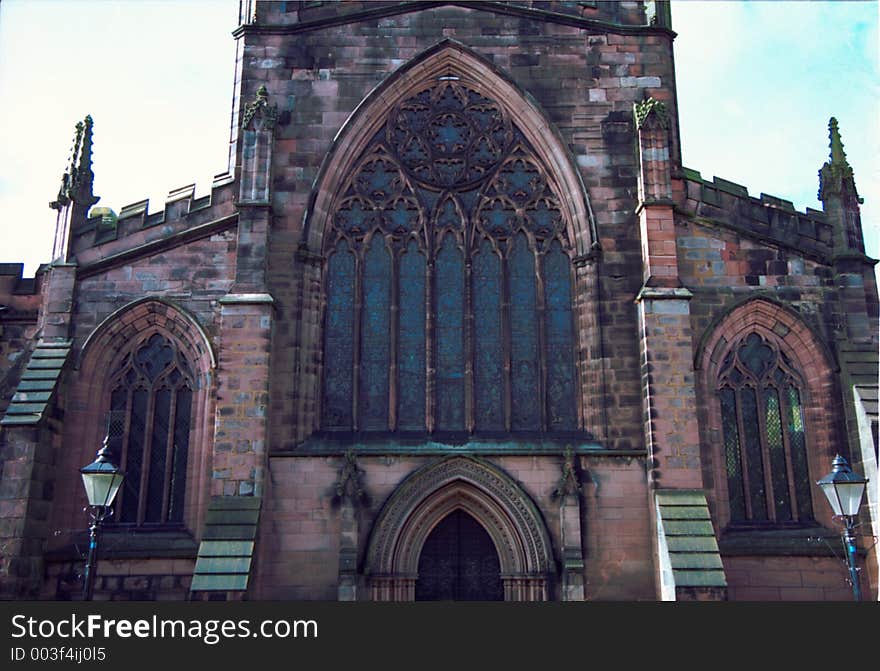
{"x": 456, "y": 324}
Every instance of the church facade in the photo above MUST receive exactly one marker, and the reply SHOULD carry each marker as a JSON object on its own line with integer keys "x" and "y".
{"x": 456, "y": 324}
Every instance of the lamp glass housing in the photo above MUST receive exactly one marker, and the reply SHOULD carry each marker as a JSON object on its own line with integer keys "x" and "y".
{"x": 843, "y": 488}
{"x": 101, "y": 479}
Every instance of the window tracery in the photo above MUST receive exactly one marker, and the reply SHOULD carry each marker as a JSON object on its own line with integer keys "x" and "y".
{"x": 441, "y": 314}
{"x": 760, "y": 393}
{"x": 150, "y": 415}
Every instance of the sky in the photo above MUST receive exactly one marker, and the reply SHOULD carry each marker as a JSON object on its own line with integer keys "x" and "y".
{"x": 757, "y": 84}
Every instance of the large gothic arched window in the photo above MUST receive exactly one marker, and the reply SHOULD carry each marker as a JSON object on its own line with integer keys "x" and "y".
{"x": 448, "y": 278}
{"x": 150, "y": 411}
{"x": 765, "y": 452}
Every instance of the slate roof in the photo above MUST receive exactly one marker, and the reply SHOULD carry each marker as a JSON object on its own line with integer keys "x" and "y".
{"x": 37, "y": 385}
{"x": 226, "y": 552}
{"x": 689, "y": 551}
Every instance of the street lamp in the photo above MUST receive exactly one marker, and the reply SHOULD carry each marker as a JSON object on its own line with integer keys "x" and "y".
{"x": 101, "y": 479}
{"x": 844, "y": 490}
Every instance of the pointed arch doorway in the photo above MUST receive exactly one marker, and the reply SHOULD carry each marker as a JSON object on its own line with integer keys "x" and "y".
{"x": 459, "y": 562}
{"x": 438, "y": 494}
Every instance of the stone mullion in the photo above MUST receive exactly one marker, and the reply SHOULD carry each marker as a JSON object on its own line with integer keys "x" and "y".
{"x": 148, "y": 450}
{"x": 430, "y": 349}
{"x": 393, "y": 337}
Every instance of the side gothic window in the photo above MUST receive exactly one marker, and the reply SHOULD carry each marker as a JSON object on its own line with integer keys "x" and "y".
{"x": 449, "y": 279}
{"x": 150, "y": 411}
{"x": 765, "y": 452}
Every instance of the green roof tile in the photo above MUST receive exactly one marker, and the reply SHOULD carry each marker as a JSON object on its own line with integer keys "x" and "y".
{"x": 22, "y": 396}
{"x": 218, "y": 582}
{"x": 687, "y": 541}
{"x": 701, "y": 528}
{"x": 673, "y": 497}
{"x": 692, "y": 544}
{"x": 37, "y": 384}
{"x": 226, "y": 549}
{"x": 694, "y": 560}
{"x": 684, "y": 512}
{"x": 699, "y": 578}
{"x": 25, "y": 408}
{"x": 226, "y": 552}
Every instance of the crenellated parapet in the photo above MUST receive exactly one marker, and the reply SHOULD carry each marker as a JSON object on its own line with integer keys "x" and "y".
{"x": 767, "y": 218}
{"x": 16, "y": 290}
{"x": 625, "y": 13}
{"x": 106, "y": 235}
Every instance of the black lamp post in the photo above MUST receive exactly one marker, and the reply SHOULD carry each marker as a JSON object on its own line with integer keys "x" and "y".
{"x": 102, "y": 479}
{"x": 844, "y": 490}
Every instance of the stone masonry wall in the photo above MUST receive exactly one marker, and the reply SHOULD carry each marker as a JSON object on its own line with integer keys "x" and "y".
{"x": 298, "y": 547}
{"x": 194, "y": 276}
{"x": 19, "y": 304}
{"x": 787, "y": 579}
{"x": 584, "y": 80}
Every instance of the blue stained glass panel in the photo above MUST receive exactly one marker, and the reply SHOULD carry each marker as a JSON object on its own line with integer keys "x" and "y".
{"x": 158, "y": 456}
{"x": 338, "y": 340}
{"x": 525, "y": 411}
{"x": 778, "y": 469}
{"x": 450, "y": 337}
{"x": 488, "y": 356}
{"x": 411, "y": 341}
{"x": 375, "y": 338}
{"x": 134, "y": 456}
{"x": 562, "y": 412}
{"x": 754, "y": 460}
{"x": 181, "y": 450}
{"x": 732, "y": 456}
{"x": 797, "y": 443}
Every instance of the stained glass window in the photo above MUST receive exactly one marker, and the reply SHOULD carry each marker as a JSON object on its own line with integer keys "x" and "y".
{"x": 488, "y": 339}
{"x": 411, "y": 341}
{"x": 525, "y": 412}
{"x": 763, "y": 434}
{"x": 150, "y": 411}
{"x": 450, "y": 337}
{"x": 448, "y": 256}
{"x": 562, "y": 411}
{"x": 375, "y": 330}
{"x": 339, "y": 339}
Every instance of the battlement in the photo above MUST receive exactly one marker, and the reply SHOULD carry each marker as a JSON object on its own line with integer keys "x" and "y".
{"x": 768, "y": 217}
{"x": 19, "y": 296}
{"x": 107, "y": 233}
{"x": 302, "y": 14}
{"x": 13, "y": 282}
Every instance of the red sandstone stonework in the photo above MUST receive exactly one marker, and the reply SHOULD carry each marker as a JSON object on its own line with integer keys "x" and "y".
{"x": 667, "y": 271}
